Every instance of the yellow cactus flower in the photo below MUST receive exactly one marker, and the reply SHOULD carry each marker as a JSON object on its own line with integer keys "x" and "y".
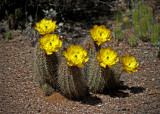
{"x": 50, "y": 43}
{"x": 45, "y": 26}
{"x": 100, "y": 34}
{"x": 76, "y": 55}
{"x": 107, "y": 57}
{"x": 129, "y": 64}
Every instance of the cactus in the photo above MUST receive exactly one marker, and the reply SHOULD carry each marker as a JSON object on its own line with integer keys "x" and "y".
{"x": 135, "y": 17}
{"x": 144, "y": 11}
{"x": 132, "y": 41}
{"x": 71, "y": 82}
{"x": 114, "y": 76}
{"x": 97, "y": 77}
{"x": 126, "y": 22}
{"x": 48, "y": 90}
{"x": 137, "y": 31}
{"x": 90, "y": 47}
{"x": 18, "y": 13}
{"x": 156, "y": 29}
{"x": 46, "y": 67}
{"x": 144, "y": 30}
{"x": 155, "y": 38}
{"x": 118, "y": 16}
{"x": 118, "y": 33}
{"x": 8, "y": 35}
{"x": 139, "y": 7}
{"x": 128, "y": 11}
{"x": 11, "y": 21}
{"x": 149, "y": 17}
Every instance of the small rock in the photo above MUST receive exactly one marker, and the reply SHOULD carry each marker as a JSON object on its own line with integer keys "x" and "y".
{"x": 27, "y": 105}
{"x": 38, "y": 110}
{"x": 146, "y": 52}
{"x": 154, "y": 91}
{"x": 128, "y": 33}
{"x": 11, "y": 84}
{"x": 140, "y": 44}
{"x": 153, "y": 79}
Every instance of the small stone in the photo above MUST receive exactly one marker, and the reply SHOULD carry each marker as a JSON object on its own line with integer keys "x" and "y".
{"x": 154, "y": 91}
{"x": 146, "y": 52}
{"x": 27, "y": 105}
{"x": 153, "y": 79}
{"x": 11, "y": 84}
{"x": 38, "y": 110}
{"x": 128, "y": 33}
{"x": 140, "y": 44}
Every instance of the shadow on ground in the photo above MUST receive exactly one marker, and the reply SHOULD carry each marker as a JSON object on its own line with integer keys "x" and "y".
{"x": 123, "y": 91}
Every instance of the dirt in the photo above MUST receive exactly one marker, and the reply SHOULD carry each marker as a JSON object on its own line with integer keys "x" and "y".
{"x": 21, "y": 93}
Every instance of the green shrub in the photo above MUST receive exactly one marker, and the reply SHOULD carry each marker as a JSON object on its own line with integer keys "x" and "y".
{"x": 8, "y": 36}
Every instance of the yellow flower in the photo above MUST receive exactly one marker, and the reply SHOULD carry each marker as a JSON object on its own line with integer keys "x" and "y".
{"x": 76, "y": 55}
{"x": 50, "y": 43}
{"x": 45, "y": 26}
{"x": 107, "y": 57}
{"x": 129, "y": 64}
{"x": 100, "y": 34}
{"x": 125, "y": 19}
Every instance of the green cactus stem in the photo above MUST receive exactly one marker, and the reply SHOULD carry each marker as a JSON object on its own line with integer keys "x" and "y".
{"x": 98, "y": 77}
{"x": 135, "y": 17}
{"x": 132, "y": 41}
{"x": 71, "y": 82}
{"x": 137, "y": 31}
{"x": 118, "y": 16}
{"x": 118, "y": 33}
{"x": 144, "y": 30}
{"x": 155, "y": 38}
{"x": 126, "y": 22}
{"x": 114, "y": 77}
{"x": 46, "y": 67}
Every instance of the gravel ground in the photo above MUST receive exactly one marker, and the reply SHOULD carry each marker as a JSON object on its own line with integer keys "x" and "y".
{"x": 21, "y": 93}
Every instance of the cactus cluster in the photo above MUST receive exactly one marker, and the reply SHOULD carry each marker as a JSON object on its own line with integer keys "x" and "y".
{"x": 142, "y": 24}
{"x": 75, "y": 71}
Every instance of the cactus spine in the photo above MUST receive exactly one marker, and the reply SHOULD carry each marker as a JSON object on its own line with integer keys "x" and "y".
{"x": 132, "y": 41}
{"x": 91, "y": 53}
{"x": 126, "y": 22}
{"x": 118, "y": 33}
{"x": 97, "y": 78}
{"x": 155, "y": 34}
{"x": 46, "y": 68}
{"x": 118, "y": 16}
{"x": 135, "y": 17}
{"x": 144, "y": 30}
{"x": 71, "y": 82}
{"x": 114, "y": 76}
{"x": 137, "y": 31}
